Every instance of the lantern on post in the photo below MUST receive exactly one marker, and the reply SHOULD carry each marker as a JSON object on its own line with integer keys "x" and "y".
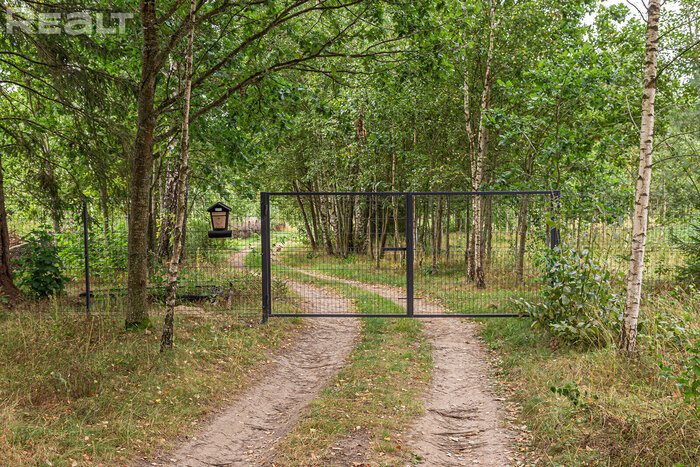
{"x": 219, "y": 221}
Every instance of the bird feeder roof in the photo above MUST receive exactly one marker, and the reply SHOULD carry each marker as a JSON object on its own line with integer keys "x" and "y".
{"x": 219, "y": 207}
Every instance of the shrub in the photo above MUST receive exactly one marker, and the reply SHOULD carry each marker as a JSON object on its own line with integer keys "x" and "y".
{"x": 40, "y": 270}
{"x": 689, "y": 380}
{"x": 577, "y": 301}
{"x": 688, "y": 377}
{"x": 690, "y": 246}
{"x": 108, "y": 256}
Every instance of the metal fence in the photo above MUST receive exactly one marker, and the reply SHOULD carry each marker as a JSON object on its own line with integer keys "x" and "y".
{"x": 424, "y": 254}
{"x": 216, "y": 275}
{"x": 369, "y": 254}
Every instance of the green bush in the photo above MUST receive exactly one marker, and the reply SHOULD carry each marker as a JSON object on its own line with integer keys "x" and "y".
{"x": 689, "y": 379}
{"x": 690, "y": 246}
{"x": 577, "y": 301}
{"x": 39, "y": 269}
{"x": 108, "y": 256}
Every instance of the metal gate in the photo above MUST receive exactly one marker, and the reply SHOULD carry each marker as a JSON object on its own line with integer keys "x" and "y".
{"x": 403, "y": 254}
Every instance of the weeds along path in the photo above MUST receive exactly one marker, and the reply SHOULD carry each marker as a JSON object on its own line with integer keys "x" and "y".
{"x": 463, "y": 422}
{"x": 247, "y": 432}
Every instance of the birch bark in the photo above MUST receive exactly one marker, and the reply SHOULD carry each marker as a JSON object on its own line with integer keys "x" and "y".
{"x": 478, "y": 162}
{"x": 628, "y": 331}
{"x": 166, "y": 340}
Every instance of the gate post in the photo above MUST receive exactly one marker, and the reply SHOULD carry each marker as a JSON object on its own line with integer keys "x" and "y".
{"x": 409, "y": 254}
{"x": 265, "y": 255}
{"x": 554, "y": 236}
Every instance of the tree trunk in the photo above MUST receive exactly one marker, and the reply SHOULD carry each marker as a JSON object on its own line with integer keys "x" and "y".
{"x": 395, "y": 206}
{"x": 335, "y": 213}
{"x": 438, "y": 226}
{"x": 382, "y": 240}
{"x": 169, "y": 208}
{"x": 370, "y": 251}
{"x": 478, "y": 160}
{"x": 137, "y": 282}
{"x": 434, "y": 212}
{"x": 152, "y": 209}
{"x": 522, "y": 233}
{"x": 467, "y": 237}
{"x": 347, "y": 223}
{"x": 447, "y": 231}
{"x": 314, "y": 219}
{"x": 307, "y": 226}
{"x": 7, "y": 284}
{"x": 166, "y": 340}
{"x": 628, "y": 331}
{"x": 325, "y": 220}
{"x": 359, "y": 239}
{"x": 489, "y": 230}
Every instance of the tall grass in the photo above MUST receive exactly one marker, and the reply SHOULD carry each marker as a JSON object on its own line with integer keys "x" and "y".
{"x": 77, "y": 390}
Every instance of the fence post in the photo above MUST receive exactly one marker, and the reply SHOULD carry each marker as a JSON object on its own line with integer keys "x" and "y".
{"x": 265, "y": 255}
{"x": 409, "y": 254}
{"x": 86, "y": 256}
{"x": 554, "y": 235}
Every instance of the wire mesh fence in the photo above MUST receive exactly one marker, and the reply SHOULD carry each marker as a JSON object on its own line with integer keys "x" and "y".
{"x": 216, "y": 275}
{"x": 602, "y": 224}
{"x": 422, "y": 248}
{"x": 451, "y": 252}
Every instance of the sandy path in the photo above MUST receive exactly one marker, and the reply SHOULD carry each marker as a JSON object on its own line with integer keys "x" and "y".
{"x": 247, "y": 432}
{"x": 463, "y": 423}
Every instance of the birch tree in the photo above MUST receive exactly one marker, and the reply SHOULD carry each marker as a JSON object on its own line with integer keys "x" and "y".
{"x": 166, "y": 340}
{"x": 628, "y": 331}
{"x": 478, "y": 159}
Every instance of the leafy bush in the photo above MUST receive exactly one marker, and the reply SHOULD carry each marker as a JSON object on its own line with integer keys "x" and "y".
{"x": 690, "y": 246}
{"x": 572, "y": 392}
{"x": 40, "y": 269}
{"x": 670, "y": 318}
{"x": 578, "y": 302}
{"x": 689, "y": 379}
{"x": 108, "y": 256}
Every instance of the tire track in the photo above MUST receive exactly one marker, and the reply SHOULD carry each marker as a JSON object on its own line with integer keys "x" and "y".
{"x": 463, "y": 423}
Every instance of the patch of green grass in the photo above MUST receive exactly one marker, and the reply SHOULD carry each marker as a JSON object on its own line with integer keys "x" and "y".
{"x": 605, "y": 409}
{"x": 87, "y": 391}
{"x": 584, "y": 406}
{"x": 376, "y": 394}
{"x": 445, "y": 286}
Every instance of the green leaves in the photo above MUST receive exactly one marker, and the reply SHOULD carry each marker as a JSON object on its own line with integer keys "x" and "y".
{"x": 40, "y": 269}
{"x": 688, "y": 378}
{"x": 578, "y": 300}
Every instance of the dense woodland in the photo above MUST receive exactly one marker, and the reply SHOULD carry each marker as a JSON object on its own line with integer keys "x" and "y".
{"x": 340, "y": 96}
{"x": 179, "y": 104}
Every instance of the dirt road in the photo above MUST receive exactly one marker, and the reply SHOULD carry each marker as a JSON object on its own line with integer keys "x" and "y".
{"x": 463, "y": 423}
{"x": 247, "y": 432}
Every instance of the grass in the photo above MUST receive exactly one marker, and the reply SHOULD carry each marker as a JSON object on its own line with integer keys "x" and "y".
{"x": 609, "y": 410}
{"x": 373, "y": 397}
{"x": 79, "y": 391}
{"x": 447, "y": 285}
{"x": 583, "y": 406}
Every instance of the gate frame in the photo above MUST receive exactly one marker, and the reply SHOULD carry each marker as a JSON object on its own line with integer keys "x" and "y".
{"x": 554, "y": 241}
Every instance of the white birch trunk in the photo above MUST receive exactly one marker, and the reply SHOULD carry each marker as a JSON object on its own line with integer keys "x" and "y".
{"x": 479, "y": 160}
{"x": 628, "y": 331}
{"x": 166, "y": 340}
